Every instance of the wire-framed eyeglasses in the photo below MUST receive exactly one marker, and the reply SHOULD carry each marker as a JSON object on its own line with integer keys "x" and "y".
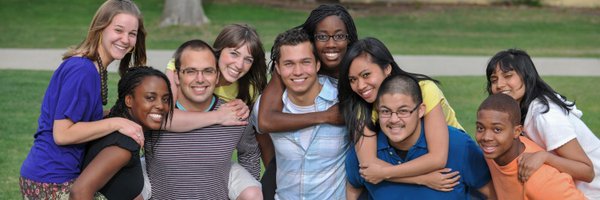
{"x": 401, "y": 113}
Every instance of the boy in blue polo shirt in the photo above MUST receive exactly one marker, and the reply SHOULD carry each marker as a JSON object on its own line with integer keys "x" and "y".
{"x": 400, "y": 108}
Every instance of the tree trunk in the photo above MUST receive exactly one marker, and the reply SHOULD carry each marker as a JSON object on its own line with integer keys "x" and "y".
{"x": 183, "y": 12}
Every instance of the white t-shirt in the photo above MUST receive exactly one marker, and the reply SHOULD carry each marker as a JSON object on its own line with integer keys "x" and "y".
{"x": 306, "y": 134}
{"x": 555, "y": 128}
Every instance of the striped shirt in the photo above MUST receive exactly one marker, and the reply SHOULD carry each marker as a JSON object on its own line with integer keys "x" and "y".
{"x": 196, "y": 164}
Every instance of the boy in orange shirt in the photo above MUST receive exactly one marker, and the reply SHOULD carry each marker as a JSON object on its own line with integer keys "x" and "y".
{"x": 498, "y": 134}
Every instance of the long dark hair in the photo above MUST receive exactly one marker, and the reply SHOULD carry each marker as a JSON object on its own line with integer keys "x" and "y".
{"x": 357, "y": 111}
{"x": 132, "y": 79}
{"x": 326, "y": 10}
{"x": 235, "y": 36}
{"x": 535, "y": 87}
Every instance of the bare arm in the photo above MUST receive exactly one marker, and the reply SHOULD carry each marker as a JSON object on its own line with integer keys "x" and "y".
{"x": 185, "y": 121}
{"x": 272, "y": 119}
{"x": 102, "y": 168}
{"x": 352, "y": 193}
{"x": 570, "y": 159}
{"x": 442, "y": 180}
{"x": 228, "y": 114}
{"x": 436, "y": 134}
{"x": 66, "y": 132}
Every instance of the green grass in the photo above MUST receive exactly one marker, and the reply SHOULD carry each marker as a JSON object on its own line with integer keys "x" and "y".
{"x": 420, "y": 30}
{"x": 450, "y": 30}
{"x": 465, "y": 93}
{"x": 23, "y": 92}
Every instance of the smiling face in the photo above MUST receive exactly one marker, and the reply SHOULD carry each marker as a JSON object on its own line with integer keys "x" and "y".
{"x": 365, "y": 77}
{"x": 496, "y": 136}
{"x": 235, "y": 63}
{"x": 197, "y": 78}
{"x": 331, "y": 52}
{"x": 509, "y": 83}
{"x": 119, "y": 37}
{"x": 402, "y": 131}
{"x": 149, "y": 103}
{"x": 298, "y": 68}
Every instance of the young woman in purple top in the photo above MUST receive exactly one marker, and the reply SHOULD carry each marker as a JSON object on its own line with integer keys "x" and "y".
{"x": 71, "y": 112}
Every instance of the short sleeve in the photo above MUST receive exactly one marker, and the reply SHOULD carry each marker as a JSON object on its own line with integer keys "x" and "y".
{"x": 248, "y": 152}
{"x": 120, "y": 140}
{"x": 171, "y": 64}
{"x": 548, "y": 183}
{"x": 116, "y": 139}
{"x": 477, "y": 173}
{"x": 432, "y": 95}
{"x": 549, "y": 130}
{"x": 253, "y": 95}
{"x": 79, "y": 92}
{"x": 254, "y": 115}
{"x": 352, "y": 173}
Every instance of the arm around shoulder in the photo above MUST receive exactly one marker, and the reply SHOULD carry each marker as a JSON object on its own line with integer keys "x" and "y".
{"x": 99, "y": 171}
{"x": 273, "y": 120}
{"x": 66, "y": 132}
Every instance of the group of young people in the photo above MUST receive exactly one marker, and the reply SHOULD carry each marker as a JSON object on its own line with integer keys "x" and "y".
{"x": 338, "y": 119}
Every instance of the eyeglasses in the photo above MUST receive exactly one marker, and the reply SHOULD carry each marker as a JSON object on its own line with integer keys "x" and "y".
{"x": 402, "y": 113}
{"x": 192, "y": 72}
{"x": 336, "y": 37}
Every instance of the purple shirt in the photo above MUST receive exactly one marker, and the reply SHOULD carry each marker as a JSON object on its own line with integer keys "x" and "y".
{"x": 73, "y": 93}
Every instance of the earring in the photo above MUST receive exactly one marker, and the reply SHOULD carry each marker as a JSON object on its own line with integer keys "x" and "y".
{"x": 100, "y": 39}
{"x": 131, "y": 61}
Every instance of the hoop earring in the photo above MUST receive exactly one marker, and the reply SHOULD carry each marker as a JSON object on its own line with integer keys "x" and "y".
{"x": 99, "y": 40}
{"x": 131, "y": 61}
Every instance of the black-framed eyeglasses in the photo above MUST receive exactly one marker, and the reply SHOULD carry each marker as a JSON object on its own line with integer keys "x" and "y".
{"x": 401, "y": 113}
{"x": 194, "y": 72}
{"x": 336, "y": 37}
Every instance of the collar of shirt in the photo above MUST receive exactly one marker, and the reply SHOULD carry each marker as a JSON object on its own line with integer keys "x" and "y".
{"x": 384, "y": 145}
{"x": 328, "y": 93}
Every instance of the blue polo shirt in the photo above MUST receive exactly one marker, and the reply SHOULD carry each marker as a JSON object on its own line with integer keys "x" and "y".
{"x": 464, "y": 156}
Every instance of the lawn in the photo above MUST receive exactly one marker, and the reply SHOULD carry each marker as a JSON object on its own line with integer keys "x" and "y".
{"x": 21, "y": 103}
{"x": 460, "y": 30}
{"x": 455, "y": 30}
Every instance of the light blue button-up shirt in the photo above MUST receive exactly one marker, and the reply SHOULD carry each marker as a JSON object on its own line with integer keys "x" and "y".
{"x": 317, "y": 172}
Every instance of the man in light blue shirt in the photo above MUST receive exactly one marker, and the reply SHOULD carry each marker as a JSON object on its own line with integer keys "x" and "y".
{"x": 310, "y": 161}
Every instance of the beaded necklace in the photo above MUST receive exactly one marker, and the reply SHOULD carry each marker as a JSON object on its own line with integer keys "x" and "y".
{"x": 103, "y": 80}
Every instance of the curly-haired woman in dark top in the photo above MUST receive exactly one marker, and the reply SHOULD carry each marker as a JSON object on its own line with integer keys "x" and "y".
{"x": 112, "y": 163}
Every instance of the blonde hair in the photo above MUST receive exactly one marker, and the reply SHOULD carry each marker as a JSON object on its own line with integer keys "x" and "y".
{"x": 104, "y": 15}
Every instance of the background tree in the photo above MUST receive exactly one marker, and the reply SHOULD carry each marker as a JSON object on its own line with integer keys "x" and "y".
{"x": 183, "y": 12}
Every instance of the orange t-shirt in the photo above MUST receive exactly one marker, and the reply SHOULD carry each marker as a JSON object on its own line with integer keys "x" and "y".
{"x": 546, "y": 183}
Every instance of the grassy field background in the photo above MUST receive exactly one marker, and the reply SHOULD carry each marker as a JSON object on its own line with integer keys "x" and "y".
{"x": 449, "y": 30}
{"x": 454, "y": 30}
{"x": 21, "y": 104}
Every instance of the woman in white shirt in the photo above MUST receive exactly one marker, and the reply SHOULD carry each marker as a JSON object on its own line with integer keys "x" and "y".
{"x": 549, "y": 120}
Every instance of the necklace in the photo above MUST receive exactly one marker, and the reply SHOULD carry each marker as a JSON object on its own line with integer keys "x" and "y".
{"x": 103, "y": 80}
